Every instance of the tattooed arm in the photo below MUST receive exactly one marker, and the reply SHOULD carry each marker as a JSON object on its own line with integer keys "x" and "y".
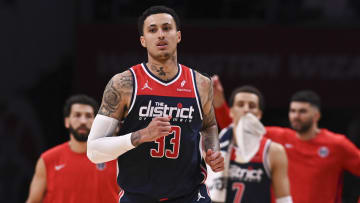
{"x": 209, "y": 130}
{"x": 101, "y": 146}
{"x": 117, "y": 96}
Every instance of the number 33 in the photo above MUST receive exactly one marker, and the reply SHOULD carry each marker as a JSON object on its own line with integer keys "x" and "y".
{"x": 175, "y": 142}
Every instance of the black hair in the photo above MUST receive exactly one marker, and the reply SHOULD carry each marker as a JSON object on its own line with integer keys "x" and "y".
{"x": 155, "y": 10}
{"x": 248, "y": 89}
{"x": 79, "y": 99}
{"x": 307, "y": 96}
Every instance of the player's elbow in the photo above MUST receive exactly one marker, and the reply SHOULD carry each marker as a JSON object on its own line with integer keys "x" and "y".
{"x": 93, "y": 158}
{"x": 95, "y": 154}
{"x": 91, "y": 153}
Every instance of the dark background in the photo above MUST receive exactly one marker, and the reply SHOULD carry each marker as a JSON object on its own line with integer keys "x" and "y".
{"x": 52, "y": 49}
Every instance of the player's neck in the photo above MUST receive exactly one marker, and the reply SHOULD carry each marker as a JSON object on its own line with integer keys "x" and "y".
{"x": 310, "y": 134}
{"x": 76, "y": 146}
{"x": 165, "y": 70}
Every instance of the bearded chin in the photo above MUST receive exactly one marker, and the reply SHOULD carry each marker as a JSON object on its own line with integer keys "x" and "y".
{"x": 304, "y": 127}
{"x": 78, "y": 136}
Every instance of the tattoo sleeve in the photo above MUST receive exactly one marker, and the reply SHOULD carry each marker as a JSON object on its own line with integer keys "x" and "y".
{"x": 135, "y": 138}
{"x": 118, "y": 89}
{"x": 210, "y": 130}
{"x": 110, "y": 101}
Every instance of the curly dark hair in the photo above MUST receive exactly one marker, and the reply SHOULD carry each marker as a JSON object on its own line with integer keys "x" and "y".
{"x": 79, "y": 99}
{"x": 155, "y": 10}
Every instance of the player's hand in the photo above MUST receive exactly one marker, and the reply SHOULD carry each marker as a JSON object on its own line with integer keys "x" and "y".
{"x": 215, "y": 160}
{"x": 158, "y": 127}
{"x": 219, "y": 97}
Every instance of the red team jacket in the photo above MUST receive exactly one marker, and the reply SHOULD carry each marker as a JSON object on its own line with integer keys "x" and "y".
{"x": 72, "y": 178}
{"x": 315, "y": 166}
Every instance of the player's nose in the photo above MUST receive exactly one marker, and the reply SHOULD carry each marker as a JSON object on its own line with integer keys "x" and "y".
{"x": 161, "y": 34}
{"x": 83, "y": 119}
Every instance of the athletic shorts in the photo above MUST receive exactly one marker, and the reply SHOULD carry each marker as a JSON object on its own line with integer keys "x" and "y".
{"x": 200, "y": 195}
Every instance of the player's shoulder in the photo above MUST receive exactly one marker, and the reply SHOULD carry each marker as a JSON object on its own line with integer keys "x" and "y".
{"x": 279, "y": 133}
{"x": 277, "y": 156}
{"x": 331, "y": 134}
{"x": 277, "y": 129}
{"x": 54, "y": 152}
{"x": 122, "y": 80}
{"x": 333, "y": 137}
{"x": 276, "y": 148}
{"x": 202, "y": 79}
{"x": 119, "y": 76}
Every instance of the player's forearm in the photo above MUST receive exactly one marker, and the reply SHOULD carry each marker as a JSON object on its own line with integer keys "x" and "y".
{"x": 33, "y": 201}
{"x": 35, "y": 197}
{"x": 211, "y": 138}
{"x": 100, "y": 146}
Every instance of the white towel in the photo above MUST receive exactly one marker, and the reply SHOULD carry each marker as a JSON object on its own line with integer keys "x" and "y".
{"x": 249, "y": 131}
{"x": 248, "y": 134}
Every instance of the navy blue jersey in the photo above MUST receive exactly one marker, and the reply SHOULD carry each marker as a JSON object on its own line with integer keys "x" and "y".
{"x": 171, "y": 166}
{"x": 247, "y": 182}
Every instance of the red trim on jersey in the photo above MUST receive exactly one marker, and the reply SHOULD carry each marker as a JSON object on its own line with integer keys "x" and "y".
{"x": 121, "y": 193}
{"x": 273, "y": 198}
{"x": 163, "y": 199}
{"x": 204, "y": 172}
{"x": 258, "y": 157}
{"x": 182, "y": 87}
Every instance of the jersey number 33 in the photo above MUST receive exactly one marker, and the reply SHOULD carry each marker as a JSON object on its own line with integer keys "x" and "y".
{"x": 173, "y": 152}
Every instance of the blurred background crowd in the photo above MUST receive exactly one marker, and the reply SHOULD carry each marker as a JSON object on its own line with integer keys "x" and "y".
{"x": 52, "y": 49}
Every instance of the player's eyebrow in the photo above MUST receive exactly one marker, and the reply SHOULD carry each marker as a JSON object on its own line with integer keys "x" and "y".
{"x": 154, "y": 25}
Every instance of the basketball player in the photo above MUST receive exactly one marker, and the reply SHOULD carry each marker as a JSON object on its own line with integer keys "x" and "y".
{"x": 165, "y": 106}
{"x": 266, "y": 169}
{"x": 317, "y": 157}
{"x": 64, "y": 173}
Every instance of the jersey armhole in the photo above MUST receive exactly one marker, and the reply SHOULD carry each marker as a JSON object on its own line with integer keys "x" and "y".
{"x": 134, "y": 92}
{"x": 266, "y": 158}
{"x": 198, "y": 100}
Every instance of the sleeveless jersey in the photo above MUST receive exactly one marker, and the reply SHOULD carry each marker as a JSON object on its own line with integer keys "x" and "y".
{"x": 171, "y": 166}
{"x": 72, "y": 178}
{"x": 248, "y": 182}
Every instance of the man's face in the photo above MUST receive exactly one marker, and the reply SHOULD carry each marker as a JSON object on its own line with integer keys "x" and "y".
{"x": 79, "y": 121}
{"x": 245, "y": 102}
{"x": 303, "y": 116}
{"x": 160, "y": 36}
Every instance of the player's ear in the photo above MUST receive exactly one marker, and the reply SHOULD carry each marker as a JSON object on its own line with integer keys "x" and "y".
{"x": 178, "y": 33}
{"x": 259, "y": 115}
{"x": 66, "y": 122}
{"x": 142, "y": 41}
{"x": 231, "y": 114}
{"x": 317, "y": 115}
